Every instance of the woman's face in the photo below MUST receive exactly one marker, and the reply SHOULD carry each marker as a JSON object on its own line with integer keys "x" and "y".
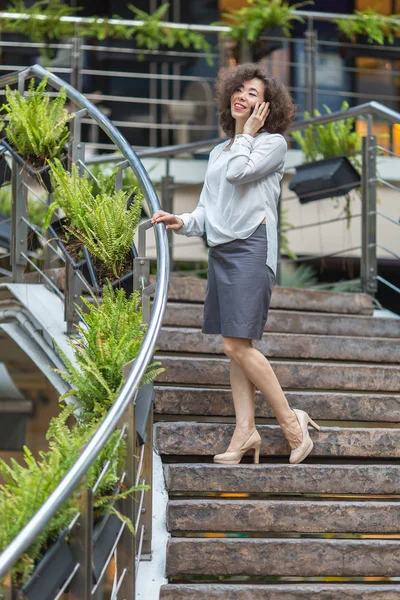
{"x": 246, "y": 95}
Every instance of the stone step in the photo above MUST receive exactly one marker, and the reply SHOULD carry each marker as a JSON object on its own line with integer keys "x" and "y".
{"x": 306, "y": 478}
{"x": 349, "y": 406}
{"x": 287, "y": 345}
{"x": 283, "y": 557}
{"x": 192, "y": 289}
{"x": 287, "y": 321}
{"x": 207, "y": 439}
{"x": 283, "y": 516}
{"x": 288, "y": 591}
{"x": 302, "y": 375}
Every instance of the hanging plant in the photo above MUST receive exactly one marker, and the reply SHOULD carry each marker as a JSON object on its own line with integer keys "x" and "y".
{"x": 328, "y": 172}
{"x": 152, "y": 35}
{"x": 377, "y": 28}
{"x": 260, "y": 18}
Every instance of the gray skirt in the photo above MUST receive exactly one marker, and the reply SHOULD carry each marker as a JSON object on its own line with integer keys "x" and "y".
{"x": 239, "y": 287}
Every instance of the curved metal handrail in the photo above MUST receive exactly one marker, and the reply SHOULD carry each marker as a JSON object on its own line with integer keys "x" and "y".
{"x": 63, "y": 490}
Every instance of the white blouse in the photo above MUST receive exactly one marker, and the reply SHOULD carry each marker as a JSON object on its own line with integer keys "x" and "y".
{"x": 241, "y": 188}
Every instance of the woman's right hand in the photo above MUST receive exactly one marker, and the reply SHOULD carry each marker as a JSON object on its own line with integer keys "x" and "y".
{"x": 171, "y": 221}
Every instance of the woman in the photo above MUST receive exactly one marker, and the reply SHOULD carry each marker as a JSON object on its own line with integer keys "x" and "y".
{"x": 238, "y": 212}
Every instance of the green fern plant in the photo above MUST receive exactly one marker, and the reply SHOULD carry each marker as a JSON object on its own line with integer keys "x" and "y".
{"x": 337, "y": 138}
{"x": 27, "y": 486}
{"x": 112, "y": 338}
{"x": 256, "y": 16}
{"x": 71, "y": 192}
{"x": 151, "y": 35}
{"x": 376, "y": 27}
{"x": 37, "y": 126}
{"x": 107, "y": 229}
{"x": 101, "y": 222}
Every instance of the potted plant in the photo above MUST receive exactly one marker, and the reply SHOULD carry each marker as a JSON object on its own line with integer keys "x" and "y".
{"x": 266, "y": 18}
{"x": 327, "y": 172}
{"x": 367, "y": 28}
{"x": 96, "y": 233}
{"x": 37, "y": 129}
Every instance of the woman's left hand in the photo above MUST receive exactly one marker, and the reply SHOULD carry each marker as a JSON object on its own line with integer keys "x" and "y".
{"x": 257, "y": 118}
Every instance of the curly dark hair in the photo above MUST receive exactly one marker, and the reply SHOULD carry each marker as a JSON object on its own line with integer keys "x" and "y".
{"x": 282, "y": 107}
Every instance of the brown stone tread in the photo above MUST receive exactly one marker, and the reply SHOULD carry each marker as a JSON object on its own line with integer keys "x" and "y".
{"x": 301, "y": 591}
{"x": 291, "y": 374}
{"x": 283, "y": 557}
{"x": 287, "y": 345}
{"x": 283, "y": 516}
{"x": 192, "y": 289}
{"x": 288, "y": 321}
{"x": 190, "y": 438}
{"x": 374, "y": 479}
{"x": 175, "y": 400}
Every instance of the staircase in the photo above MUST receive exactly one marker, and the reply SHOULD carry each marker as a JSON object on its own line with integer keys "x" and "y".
{"x": 328, "y": 528}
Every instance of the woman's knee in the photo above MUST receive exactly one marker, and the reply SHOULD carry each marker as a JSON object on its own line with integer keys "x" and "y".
{"x": 234, "y": 348}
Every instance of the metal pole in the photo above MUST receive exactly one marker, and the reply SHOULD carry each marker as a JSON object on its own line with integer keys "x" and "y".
{"x": 368, "y": 265}
{"x": 147, "y": 509}
{"x": 82, "y": 549}
{"x": 311, "y": 68}
{"x": 19, "y": 227}
{"x": 127, "y": 547}
{"x": 167, "y": 199}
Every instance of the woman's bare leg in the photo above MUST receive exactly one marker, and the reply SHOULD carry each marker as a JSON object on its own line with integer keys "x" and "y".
{"x": 259, "y": 372}
{"x": 243, "y": 392}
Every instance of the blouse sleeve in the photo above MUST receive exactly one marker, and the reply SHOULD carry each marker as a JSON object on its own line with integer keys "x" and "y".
{"x": 249, "y": 162}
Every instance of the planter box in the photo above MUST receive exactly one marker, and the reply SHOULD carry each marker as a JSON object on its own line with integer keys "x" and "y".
{"x": 5, "y": 235}
{"x": 86, "y": 264}
{"x": 374, "y": 50}
{"x": 41, "y": 175}
{"x": 327, "y": 178}
{"x": 105, "y": 534}
{"x": 50, "y": 574}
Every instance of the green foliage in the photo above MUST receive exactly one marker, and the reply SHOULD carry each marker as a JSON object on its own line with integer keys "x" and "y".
{"x": 304, "y": 276}
{"x": 151, "y": 35}
{"x": 101, "y": 221}
{"x": 40, "y": 30}
{"x": 256, "y": 16}
{"x": 27, "y": 486}
{"x": 71, "y": 192}
{"x": 112, "y": 338}
{"x": 337, "y": 138}
{"x": 376, "y": 27}
{"x": 332, "y": 139}
{"x": 37, "y": 126}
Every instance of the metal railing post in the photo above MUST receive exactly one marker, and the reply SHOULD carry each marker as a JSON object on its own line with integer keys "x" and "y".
{"x": 19, "y": 227}
{"x": 82, "y": 549}
{"x": 311, "y": 67}
{"x": 368, "y": 264}
{"x": 126, "y": 553}
{"x": 167, "y": 199}
{"x": 73, "y": 291}
{"x": 147, "y": 509}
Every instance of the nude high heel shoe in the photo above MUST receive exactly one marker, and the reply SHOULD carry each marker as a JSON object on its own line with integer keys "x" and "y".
{"x": 235, "y": 456}
{"x": 303, "y": 450}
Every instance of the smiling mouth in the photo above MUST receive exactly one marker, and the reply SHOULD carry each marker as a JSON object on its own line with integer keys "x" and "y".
{"x": 237, "y": 106}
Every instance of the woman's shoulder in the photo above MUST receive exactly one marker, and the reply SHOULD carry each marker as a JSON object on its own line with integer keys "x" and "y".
{"x": 271, "y": 138}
